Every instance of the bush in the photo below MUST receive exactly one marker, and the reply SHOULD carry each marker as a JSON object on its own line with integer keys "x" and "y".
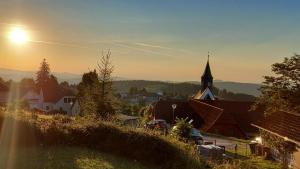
{"x": 107, "y": 137}
{"x": 182, "y": 130}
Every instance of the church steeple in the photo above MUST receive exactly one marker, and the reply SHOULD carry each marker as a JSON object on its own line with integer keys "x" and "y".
{"x": 207, "y": 78}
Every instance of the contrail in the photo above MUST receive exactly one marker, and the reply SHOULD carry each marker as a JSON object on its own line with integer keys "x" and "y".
{"x": 59, "y": 44}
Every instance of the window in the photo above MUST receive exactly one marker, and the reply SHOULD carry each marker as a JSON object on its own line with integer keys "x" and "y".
{"x": 47, "y": 108}
{"x": 65, "y": 100}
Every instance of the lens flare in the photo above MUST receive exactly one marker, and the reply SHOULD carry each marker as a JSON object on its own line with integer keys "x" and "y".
{"x": 18, "y": 35}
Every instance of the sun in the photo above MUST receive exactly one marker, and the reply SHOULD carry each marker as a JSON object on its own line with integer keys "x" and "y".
{"x": 18, "y": 35}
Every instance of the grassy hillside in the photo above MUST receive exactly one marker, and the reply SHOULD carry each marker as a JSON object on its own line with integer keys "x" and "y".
{"x": 24, "y": 129}
{"x": 63, "y": 158}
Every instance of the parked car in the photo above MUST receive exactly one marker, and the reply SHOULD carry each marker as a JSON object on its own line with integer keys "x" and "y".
{"x": 196, "y": 136}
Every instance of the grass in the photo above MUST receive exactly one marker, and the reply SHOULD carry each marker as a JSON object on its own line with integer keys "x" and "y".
{"x": 251, "y": 163}
{"x": 63, "y": 158}
{"x": 21, "y": 129}
{"x": 243, "y": 158}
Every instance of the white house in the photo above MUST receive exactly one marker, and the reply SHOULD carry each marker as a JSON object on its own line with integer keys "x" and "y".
{"x": 52, "y": 101}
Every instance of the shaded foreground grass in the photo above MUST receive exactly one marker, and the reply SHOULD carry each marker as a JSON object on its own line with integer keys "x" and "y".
{"x": 58, "y": 157}
{"x": 250, "y": 163}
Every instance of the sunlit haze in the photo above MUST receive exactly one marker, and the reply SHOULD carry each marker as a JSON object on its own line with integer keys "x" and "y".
{"x": 18, "y": 35}
{"x": 153, "y": 40}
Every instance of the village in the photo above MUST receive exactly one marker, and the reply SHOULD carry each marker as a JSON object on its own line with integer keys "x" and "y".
{"x": 131, "y": 84}
{"x": 216, "y": 123}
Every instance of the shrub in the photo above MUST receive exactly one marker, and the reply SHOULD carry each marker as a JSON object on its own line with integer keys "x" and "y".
{"x": 182, "y": 130}
{"x": 151, "y": 150}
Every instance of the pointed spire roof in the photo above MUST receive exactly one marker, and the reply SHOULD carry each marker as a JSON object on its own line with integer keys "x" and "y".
{"x": 207, "y": 72}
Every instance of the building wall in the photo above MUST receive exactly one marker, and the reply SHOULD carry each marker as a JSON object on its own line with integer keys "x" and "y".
{"x": 65, "y": 103}
{"x": 297, "y": 159}
{"x": 75, "y": 110}
{"x": 47, "y": 106}
{"x": 34, "y": 99}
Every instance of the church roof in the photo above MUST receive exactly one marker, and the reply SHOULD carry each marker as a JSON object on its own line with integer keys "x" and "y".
{"x": 207, "y": 71}
{"x": 208, "y": 113}
{"x": 204, "y": 95}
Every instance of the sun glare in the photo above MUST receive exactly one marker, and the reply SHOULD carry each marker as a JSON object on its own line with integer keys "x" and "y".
{"x": 18, "y": 35}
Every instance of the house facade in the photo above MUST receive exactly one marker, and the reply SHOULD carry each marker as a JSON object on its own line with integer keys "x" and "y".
{"x": 52, "y": 101}
{"x": 286, "y": 126}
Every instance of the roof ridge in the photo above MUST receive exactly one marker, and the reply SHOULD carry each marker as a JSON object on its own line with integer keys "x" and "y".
{"x": 195, "y": 100}
{"x": 293, "y": 113}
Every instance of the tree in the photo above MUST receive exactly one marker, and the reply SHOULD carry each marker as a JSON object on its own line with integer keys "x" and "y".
{"x": 43, "y": 75}
{"x": 147, "y": 113}
{"x": 133, "y": 90}
{"x": 107, "y": 100}
{"x": 95, "y": 90}
{"x": 183, "y": 129}
{"x": 89, "y": 92}
{"x": 281, "y": 92}
{"x": 27, "y": 83}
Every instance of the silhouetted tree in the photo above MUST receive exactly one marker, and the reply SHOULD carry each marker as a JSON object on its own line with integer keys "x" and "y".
{"x": 89, "y": 93}
{"x": 43, "y": 75}
{"x": 27, "y": 83}
{"x": 282, "y": 91}
{"x": 107, "y": 101}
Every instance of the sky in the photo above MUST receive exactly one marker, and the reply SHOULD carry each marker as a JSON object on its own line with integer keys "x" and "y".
{"x": 153, "y": 39}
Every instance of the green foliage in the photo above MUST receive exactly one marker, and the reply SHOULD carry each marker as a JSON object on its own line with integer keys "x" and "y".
{"x": 18, "y": 105}
{"x": 88, "y": 93}
{"x": 234, "y": 96}
{"x": 131, "y": 110}
{"x": 147, "y": 114}
{"x": 178, "y": 90}
{"x": 183, "y": 129}
{"x": 283, "y": 146}
{"x": 282, "y": 91}
{"x": 251, "y": 163}
{"x": 64, "y": 158}
{"x": 102, "y": 136}
{"x": 96, "y": 92}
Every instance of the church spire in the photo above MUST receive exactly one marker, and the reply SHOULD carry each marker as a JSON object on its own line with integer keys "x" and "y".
{"x": 207, "y": 78}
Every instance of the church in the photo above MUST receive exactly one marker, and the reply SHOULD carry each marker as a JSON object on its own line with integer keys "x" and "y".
{"x": 209, "y": 113}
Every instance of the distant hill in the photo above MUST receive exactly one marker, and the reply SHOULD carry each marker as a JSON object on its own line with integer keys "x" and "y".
{"x": 123, "y": 84}
{"x": 183, "y": 90}
{"x": 17, "y": 75}
{"x": 236, "y": 87}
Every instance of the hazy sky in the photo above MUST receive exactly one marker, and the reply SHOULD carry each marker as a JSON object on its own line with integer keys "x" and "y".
{"x": 153, "y": 39}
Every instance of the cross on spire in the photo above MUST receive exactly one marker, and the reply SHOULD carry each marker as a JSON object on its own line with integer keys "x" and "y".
{"x": 208, "y": 56}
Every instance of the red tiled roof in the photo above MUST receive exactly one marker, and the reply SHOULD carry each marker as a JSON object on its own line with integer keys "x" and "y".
{"x": 163, "y": 110}
{"x": 283, "y": 124}
{"x": 54, "y": 95}
{"x": 208, "y": 113}
{"x": 238, "y": 113}
{"x": 230, "y": 118}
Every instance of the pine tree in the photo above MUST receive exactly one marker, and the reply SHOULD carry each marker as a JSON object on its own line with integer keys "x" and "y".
{"x": 43, "y": 75}
{"x": 107, "y": 100}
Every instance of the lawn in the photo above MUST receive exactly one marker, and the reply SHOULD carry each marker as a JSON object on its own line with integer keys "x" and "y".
{"x": 63, "y": 158}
